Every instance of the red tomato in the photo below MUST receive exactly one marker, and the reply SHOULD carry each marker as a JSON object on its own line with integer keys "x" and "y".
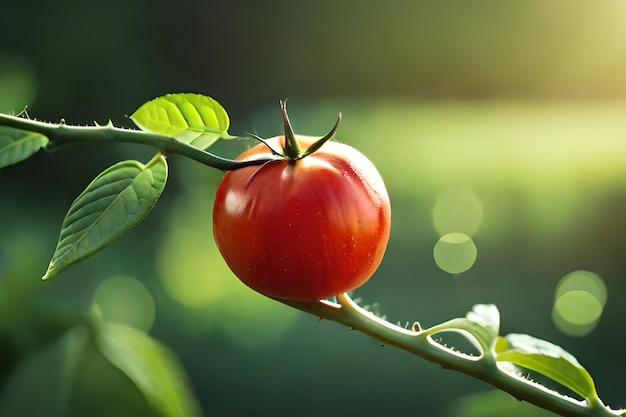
{"x": 303, "y": 230}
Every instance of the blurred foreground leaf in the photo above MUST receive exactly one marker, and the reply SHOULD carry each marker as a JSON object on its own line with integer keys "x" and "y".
{"x": 192, "y": 118}
{"x": 108, "y": 370}
{"x": 115, "y": 202}
{"x": 493, "y": 404}
{"x": 549, "y": 360}
{"x": 152, "y": 367}
{"x": 42, "y": 383}
{"x": 17, "y": 145}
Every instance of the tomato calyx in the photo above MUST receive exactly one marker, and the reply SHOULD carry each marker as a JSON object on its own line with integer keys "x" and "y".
{"x": 291, "y": 150}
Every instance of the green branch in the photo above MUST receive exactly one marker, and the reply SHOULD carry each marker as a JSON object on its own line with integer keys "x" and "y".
{"x": 484, "y": 367}
{"x": 60, "y": 134}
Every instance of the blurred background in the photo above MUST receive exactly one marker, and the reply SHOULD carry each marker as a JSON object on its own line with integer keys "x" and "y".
{"x": 498, "y": 126}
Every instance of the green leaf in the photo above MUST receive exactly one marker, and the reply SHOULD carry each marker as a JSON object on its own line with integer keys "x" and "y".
{"x": 549, "y": 360}
{"x": 480, "y": 326}
{"x": 492, "y": 403}
{"x": 488, "y": 317}
{"x": 116, "y": 201}
{"x": 153, "y": 368}
{"x": 192, "y": 118}
{"x": 49, "y": 370}
{"x": 17, "y": 145}
{"x": 96, "y": 370}
{"x": 501, "y": 344}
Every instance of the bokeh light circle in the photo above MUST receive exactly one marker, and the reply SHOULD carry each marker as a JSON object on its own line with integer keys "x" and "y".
{"x": 579, "y": 301}
{"x": 458, "y": 210}
{"x": 455, "y": 253}
{"x": 578, "y": 307}
{"x": 125, "y": 300}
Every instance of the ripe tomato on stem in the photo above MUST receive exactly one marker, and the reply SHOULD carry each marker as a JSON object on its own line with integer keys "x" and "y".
{"x": 304, "y": 227}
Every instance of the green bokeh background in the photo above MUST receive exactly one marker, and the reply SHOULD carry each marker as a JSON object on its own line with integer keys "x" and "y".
{"x": 521, "y": 102}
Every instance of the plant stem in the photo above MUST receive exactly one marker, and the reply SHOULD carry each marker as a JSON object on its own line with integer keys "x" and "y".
{"x": 421, "y": 343}
{"x": 60, "y": 134}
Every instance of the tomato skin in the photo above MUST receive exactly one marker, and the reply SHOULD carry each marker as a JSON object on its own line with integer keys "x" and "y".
{"x": 303, "y": 230}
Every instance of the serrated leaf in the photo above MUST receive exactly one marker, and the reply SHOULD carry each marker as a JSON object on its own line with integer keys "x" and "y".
{"x": 115, "y": 202}
{"x": 153, "y": 368}
{"x": 549, "y": 360}
{"x": 17, "y": 145}
{"x": 192, "y": 118}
